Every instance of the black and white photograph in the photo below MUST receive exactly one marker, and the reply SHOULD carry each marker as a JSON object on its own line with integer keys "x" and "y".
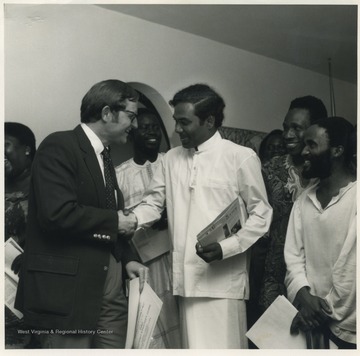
{"x": 130, "y": 128}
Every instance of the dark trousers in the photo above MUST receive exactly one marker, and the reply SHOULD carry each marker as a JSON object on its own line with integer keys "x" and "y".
{"x": 110, "y": 332}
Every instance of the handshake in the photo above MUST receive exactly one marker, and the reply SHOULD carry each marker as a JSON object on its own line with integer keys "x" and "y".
{"x": 127, "y": 223}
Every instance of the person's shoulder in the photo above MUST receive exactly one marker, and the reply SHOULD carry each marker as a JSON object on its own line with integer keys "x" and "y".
{"x": 232, "y": 147}
{"x": 306, "y": 193}
{"x": 62, "y": 138}
{"x": 275, "y": 165}
{"x": 123, "y": 166}
{"x": 175, "y": 151}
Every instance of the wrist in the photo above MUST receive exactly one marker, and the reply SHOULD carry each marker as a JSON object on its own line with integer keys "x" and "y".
{"x": 134, "y": 217}
{"x": 302, "y": 295}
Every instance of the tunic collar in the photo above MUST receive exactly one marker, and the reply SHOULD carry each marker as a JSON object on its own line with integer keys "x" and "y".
{"x": 208, "y": 144}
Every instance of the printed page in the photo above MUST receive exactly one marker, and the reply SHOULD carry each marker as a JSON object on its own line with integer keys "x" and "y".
{"x": 272, "y": 330}
{"x": 148, "y": 313}
{"x": 10, "y": 294}
{"x": 12, "y": 250}
{"x": 134, "y": 297}
{"x": 226, "y": 223}
{"x": 150, "y": 243}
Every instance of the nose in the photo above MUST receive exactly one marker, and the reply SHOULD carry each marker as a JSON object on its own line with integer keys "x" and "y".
{"x": 289, "y": 133}
{"x": 305, "y": 151}
{"x": 134, "y": 124}
{"x": 178, "y": 128}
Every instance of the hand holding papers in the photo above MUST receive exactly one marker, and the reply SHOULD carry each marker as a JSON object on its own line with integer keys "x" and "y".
{"x": 144, "y": 310}
{"x": 12, "y": 250}
{"x": 272, "y": 330}
{"x": 226, "y": 223}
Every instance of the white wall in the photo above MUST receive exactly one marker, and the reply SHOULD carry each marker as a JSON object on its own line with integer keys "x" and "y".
{"x": 54, "y": 53}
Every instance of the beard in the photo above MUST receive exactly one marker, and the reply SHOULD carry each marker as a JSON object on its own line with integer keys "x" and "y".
{"x": 320, "y": 166}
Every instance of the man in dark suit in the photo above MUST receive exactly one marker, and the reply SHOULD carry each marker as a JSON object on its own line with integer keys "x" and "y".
{"x": 70, "y": 288}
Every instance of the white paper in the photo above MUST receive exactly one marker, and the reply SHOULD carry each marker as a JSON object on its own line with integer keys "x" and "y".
{"x": 227, "y": 223}
{"x": 150, "y": 243}
{"x": 272, "y": 330}
{"x": 10, "y": 294}
{"x": 134, "y": 296}
{"x": 12, "y": 250}
{"x": 144, "y": 311}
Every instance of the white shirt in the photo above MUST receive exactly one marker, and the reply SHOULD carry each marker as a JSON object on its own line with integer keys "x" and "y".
{"x": 133, "y": 179}
{"x": 197, "y": 186}
{"x": 320, "y": 252}
{"x": 96, "y": 144}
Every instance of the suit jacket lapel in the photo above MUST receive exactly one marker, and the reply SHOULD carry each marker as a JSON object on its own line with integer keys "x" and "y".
{"x": 92, "y": 164}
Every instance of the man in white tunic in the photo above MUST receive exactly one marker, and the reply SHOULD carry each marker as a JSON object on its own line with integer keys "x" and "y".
{"x": 198, "y": 181}
{"x": 320, "y": 246}
{"x": 133, "y": 177}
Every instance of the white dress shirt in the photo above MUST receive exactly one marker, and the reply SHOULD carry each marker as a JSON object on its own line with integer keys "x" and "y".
{"x": 96, "y": 144}
{"x": 197, "y": 186}
{"x": 320, "y": 252}
{"x": 133, "y": 179}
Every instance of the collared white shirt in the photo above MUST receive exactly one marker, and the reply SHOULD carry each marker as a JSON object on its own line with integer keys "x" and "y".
{"x": 133, "y": 179}
{"x": 197, "y": 186}
{"x": 96, "y": 144}
{"x": 320, "y": 252}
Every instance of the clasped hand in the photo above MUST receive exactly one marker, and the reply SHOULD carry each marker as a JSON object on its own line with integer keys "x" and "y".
{"x": 127, "y": 223}
{"x": 209, "y": 252}
{"x": 313, "y": 312}
{"x": 135, "y": 269}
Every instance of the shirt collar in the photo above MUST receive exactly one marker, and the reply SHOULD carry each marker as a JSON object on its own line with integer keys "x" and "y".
{"x": 208, "y": 143}
{"x": 93, "y": 138}
{"x": 312, "y": 195}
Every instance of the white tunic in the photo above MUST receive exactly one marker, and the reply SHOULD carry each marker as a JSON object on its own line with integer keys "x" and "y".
{"x": 197, "y": 186}
{"x": 320, "y": 252}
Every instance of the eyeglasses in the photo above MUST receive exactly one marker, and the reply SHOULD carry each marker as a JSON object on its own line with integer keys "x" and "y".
{"x": 131, "y": 115}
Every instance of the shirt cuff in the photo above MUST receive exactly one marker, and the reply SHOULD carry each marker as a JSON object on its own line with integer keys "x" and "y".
{"x": 230, "y": 247}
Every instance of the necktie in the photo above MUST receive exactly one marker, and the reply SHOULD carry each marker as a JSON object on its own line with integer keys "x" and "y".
{"x": 110, "y": 184}
{"x": 110, "y": 187}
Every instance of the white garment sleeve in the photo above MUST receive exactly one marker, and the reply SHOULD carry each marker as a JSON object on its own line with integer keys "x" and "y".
{"x": 342, "y": 296}
{"x": 294, "y": 254}
{"x": 252, "y": 191}
{"x": 153, "y": 202}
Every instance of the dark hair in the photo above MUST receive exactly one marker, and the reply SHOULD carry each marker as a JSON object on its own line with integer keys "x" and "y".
{"x": 206, "y": 101}
{"x": 341, "y": 133}
{"x": 315, "y": 106}
{"x": 110, "y": 93}
{"x": 146, "y": 111}
{"x": 23, "y": 134}
{"x": 262, "y": 148}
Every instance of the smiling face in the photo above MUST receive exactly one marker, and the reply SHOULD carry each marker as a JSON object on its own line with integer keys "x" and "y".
{"x": 147, "y": 137}
{"x": 120, "y": 123}
{"x": 192, "y": 131}
{"x": 295, "y": 124}
{"x": 317, "y": 153}
{"x": 16, "y": 157}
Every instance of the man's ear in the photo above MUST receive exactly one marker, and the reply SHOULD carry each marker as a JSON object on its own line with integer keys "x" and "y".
{"x": 210, "y": 122}
{"x": 105, "y": 113}
{"x": 27, "y": 151}
{"x": 337, "y": 151}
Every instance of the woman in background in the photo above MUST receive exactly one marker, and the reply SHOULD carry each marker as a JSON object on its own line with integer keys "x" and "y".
{"x": 272, "y": 146}
{"x": 19, "y": 154}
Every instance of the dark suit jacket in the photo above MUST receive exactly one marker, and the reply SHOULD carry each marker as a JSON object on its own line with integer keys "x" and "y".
{"x": 70, "y": 236}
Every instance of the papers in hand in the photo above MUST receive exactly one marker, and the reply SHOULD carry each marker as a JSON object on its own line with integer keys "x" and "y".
{"x": 150, "y": 243}
{"x": 12, "y": 250}
{"x": 226, "y": 223}
{"x": 144, "y": 310}
{"x": 272, "y": 330}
